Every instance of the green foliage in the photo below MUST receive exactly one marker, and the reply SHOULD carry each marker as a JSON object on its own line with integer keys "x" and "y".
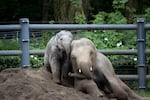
{"x": 147, "y": 15}
{"x": 106, "y": 39}
{"x": 147, "y": 93}
{"x": 100, "y": 18}
{"x": 36, "y": 61}
{"x": 117, "y": 40}
{"x": 109, "y": 39}
{"x": 14, "y": 61}
{"x": 109, "y": 18}
{"x": 80, "y": 18}
{"x": 132, "y": 84}
{"x": 147, "y": 39}
{"x": 113, "y": 39}
{"x": 76, "y": 2}
{"x": 41, "y": 43}
{"x": 12, "y": 44}
{"x": 9, "y": 62}
{"x": 114, "y": 16}
{"x": 119, "y": 4}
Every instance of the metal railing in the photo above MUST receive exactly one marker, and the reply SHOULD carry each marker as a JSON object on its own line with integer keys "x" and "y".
{"x": 24, "y": 26}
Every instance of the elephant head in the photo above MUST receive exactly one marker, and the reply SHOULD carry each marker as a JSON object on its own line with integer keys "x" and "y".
{"x": 83, "y": 57}
{"x": 64, "y": 39}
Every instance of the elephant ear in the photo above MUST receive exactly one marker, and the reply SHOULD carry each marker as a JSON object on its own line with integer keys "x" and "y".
{"x": 73, "y": 44}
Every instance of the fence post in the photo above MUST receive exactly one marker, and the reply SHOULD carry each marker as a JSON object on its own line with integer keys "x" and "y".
{"x": 25, "y": 57}
{"x": 141, "y": 47}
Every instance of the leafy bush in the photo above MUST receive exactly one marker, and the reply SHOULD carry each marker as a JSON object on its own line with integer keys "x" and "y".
{"x": 114, "y": 39}
{"x": 12, "y": 44}
{"x": 9, "y": 62}
{"x": 147, "y": 15}
{"x": 36, "y": 61}
{"x": 80, "y": 18}
{"x": 119, "y": 4}
{"x": 15, "y": 61}
{"x": 41, "y": 43}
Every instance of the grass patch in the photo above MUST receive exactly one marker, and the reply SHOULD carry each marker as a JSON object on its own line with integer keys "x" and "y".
{"x": 146, "y": 94}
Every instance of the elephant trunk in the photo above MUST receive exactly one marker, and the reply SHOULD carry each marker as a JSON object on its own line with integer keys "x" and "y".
{"x": 85, "y": 70}
{"x": 67, "y": 49}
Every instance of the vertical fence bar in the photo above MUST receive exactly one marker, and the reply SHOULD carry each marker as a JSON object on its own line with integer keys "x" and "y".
{"x": 25, "y": 57}
{"x": 141, "y": 46}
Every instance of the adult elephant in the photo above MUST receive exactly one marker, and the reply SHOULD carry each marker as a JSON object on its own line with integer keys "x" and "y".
{"x": 56, "y": 57}
{"x": 87, "y": 62}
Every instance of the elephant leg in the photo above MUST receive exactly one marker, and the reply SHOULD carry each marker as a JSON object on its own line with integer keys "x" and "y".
{"x": 46, "y": 63}
{"x": 89, "y": 87}
{"x": 118, "y": 91}
{"x": 55, "y": 68}
{"x": 131, "y": 94}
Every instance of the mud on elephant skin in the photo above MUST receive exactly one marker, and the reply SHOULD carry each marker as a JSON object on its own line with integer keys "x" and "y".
{"x": 94, "y": 65}
{"x": 56, "y": 57}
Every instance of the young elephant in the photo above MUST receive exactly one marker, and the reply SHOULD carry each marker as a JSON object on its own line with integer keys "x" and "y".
{"x": 79, "y": 59}
{"x": 56, "y": 57}
{"x": 94, "y": 65}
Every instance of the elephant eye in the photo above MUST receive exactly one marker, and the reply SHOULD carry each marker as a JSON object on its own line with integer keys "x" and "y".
{"x": 91, "y": 53}
{"x": 61, "y": 38}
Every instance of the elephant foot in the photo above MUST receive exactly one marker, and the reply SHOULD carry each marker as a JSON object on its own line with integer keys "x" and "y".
{"x": 95, "y": 93}
{"x": 100, "y": 95}
{"x": 111, "y": 96}
{"x": 66, "y": 83}
{"x": 56, "y": 77}
{"x": 56, "y": 80}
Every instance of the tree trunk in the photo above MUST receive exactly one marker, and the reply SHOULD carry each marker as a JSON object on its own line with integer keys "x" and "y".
{"x": 140, "y": 4}
{"x": 86, "y": 7}
{"x": 65, "y": 10}
{"x": 130, "y": 9}
{"x": 45, "y": 10}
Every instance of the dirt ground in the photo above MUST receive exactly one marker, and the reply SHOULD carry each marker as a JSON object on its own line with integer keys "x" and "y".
{"x": 31, "y": 84}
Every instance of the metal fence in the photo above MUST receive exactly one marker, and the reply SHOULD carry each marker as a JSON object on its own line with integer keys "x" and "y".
{"x": 141, "y": 51}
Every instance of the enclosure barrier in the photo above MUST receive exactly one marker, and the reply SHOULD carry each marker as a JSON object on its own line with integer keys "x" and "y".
{"x": 41, "y": 52}
{"x": 24, "y": 26}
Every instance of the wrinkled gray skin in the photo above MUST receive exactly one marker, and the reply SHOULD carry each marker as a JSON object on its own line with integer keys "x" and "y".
{"x": 56, "y": 57}
{"x": 85, "y": 60}
{"x": 81, "y": 62}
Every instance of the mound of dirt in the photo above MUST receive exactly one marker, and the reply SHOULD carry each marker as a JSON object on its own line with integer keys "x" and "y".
{"x": 31, "y": 84}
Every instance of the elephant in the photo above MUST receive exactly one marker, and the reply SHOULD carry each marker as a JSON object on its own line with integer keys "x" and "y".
{"x": 82, "y": 83}
{"x": 91, "y": 64}
{"x": 57, "y": 56}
